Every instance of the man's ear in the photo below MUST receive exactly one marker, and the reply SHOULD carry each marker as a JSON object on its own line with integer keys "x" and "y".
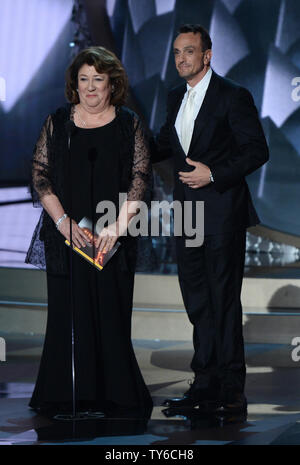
{"x": 207, "y": 57}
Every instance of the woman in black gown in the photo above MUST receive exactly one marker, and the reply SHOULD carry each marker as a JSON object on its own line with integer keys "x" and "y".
{"x": 107, "y": 376}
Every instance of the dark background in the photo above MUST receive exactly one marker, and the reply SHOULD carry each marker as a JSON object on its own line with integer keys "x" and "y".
{"x": 255, "y": 42}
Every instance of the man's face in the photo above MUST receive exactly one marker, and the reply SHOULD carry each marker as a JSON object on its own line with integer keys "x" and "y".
{"x": 189, "y": 57}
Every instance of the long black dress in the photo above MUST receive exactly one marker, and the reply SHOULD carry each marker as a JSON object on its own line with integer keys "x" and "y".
{"x": 107, "y": 374}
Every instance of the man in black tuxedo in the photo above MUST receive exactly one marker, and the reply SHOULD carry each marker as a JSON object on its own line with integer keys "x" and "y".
{"x": 213, "y": 133}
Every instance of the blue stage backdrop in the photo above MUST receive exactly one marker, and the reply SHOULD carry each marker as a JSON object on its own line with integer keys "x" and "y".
{"x": 34, "y": 52}
{"x": 255, "y": 42}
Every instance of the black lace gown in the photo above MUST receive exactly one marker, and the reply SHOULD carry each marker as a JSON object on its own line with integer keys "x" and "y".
{"x": 106, "y": 371}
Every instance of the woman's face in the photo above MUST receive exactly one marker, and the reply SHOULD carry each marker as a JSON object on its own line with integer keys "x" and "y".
{"x": 94, "y": 89}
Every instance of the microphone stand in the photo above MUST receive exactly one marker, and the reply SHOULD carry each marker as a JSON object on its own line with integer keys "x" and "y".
{"x": 71, "y": 129}
{"x": 71, "y": 284}
{"x": 92, "y": 155}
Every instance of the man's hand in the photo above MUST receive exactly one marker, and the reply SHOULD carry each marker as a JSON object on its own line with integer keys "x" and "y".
{"x": 199, "y": 177}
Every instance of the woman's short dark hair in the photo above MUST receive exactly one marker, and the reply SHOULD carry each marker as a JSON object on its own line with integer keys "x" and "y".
{"x": 195, "y": 28}
{"x": 105, "y": 62}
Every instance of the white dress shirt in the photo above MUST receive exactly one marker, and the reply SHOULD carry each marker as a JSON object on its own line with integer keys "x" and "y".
{"x": 200, "y": 89}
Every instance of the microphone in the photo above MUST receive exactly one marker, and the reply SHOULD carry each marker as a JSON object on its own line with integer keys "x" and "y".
{"x": 70, "y": 127}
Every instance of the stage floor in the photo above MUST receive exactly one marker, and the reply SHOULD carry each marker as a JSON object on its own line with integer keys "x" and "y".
{"x": 272, "y": 389}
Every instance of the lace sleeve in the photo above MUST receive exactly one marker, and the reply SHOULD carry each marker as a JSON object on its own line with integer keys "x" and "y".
{"x": 141, "y": 168}
{"x": 41, "y": 167}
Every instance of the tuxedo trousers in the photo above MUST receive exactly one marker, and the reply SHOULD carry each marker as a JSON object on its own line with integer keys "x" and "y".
{"x": 210, "y": 278}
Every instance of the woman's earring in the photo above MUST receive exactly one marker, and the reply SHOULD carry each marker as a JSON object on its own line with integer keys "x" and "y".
{"x": 112, "y": 89}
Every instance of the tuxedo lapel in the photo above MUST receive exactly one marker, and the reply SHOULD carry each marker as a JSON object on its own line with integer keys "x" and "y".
{"x": 207, "y": 108}
{"x": 177, "y": 102}
{"x": 175, "y": 109}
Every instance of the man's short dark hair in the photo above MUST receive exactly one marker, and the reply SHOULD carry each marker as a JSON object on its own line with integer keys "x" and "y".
{"x": 197, "y": 28}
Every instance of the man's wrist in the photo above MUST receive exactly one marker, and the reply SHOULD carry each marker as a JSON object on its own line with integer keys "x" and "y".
{"x": 211, "y": 176}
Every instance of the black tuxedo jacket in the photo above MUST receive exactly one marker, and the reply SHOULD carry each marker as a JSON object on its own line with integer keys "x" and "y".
{"x": 229, "y": 139}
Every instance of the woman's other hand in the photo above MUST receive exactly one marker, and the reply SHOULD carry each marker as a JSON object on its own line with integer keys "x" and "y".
{"x": 107, "y": 238}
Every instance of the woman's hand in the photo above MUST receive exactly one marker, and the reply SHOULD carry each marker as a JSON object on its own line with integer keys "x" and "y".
{"x": 79, "y": 239}
{"x": 107, "y": 238}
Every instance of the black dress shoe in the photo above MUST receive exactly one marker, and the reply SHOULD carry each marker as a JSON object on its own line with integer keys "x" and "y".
{"x": 232, "y": 402}
{"x": 194, "y": 397}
